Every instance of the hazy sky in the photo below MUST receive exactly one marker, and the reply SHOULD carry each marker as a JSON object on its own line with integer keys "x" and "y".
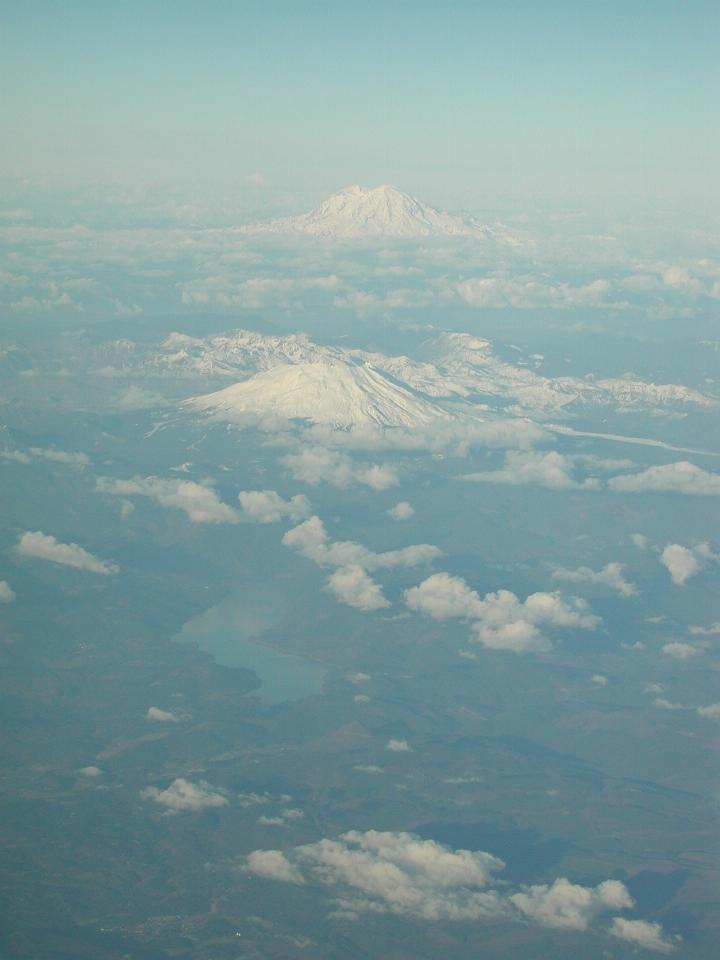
{"x": 562, "y": 97}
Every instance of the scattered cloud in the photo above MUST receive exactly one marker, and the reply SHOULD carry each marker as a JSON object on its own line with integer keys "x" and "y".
{"x": 398, "y": 746}
{"x": 401, "y": 511}
{"x": 41, "y": 546}
{"x": 599, "y": 680}
{"x": 642, "y": 933}
{"x": 711, "y": 712}
{"x": 500, "y": 621}
{"x": 7, "y": 594}
{"x": 312, "y": 541}
{"x": 680, "y": 562}
{"x": 553, "y": 470}
{"x": 352, "y": 586}
{"x": 315, "y": 465}
{"x": 640, "y": 540}
{"x": 350, "y": 582}
{"x": 611, "y": 576}
{"x": 681, "y": 477}
{"x": 163, "y": 716}
{"x": 90, "y": 772}
{"x": 570, "y": 906}
{"x": 267, "y": 506}
{"x": 198, "y": 501}
{"x": 679, "y": 650}
{"x": 383, "y": 872}
{"x": 183, "y": 796}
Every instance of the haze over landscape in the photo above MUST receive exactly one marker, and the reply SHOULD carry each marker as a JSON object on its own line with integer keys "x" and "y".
{"x": 359, "y": 546}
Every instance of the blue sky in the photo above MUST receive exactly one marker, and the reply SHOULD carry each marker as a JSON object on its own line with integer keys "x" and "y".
{"x": 515, "y": 98}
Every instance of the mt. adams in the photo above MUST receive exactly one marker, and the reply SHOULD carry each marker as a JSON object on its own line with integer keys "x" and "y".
{"x": 358, "y": 214}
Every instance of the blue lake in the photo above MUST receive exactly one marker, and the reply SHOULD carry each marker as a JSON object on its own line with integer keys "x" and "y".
{"x": 230, "y": 632}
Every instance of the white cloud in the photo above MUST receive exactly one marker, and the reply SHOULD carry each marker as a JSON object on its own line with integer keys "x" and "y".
{"x": 679, "y": 650}
{"x": 198, "y": 501}
{"x": 680, "y": 562}
{"x": 267, "y": 506}
{"x": 611, "y": 576}
{"x": 402, "y": 874}
{"x": 272, "y": 865}
{"x": 7, "y": 594}
{"x": 457, "y": 438}
{"x": 42, "y": 546}
{"x": 60, "y": 456}
{"x": 711, "y": 712}
{"x": 500, "y": 620}
{"x": 570, "y": 906}
{"x": 642, "y": 933}
{"x": 350, "y": 582}
{"x": 664, "y": 704}
{"x": 316, "y": 465}
{"x": 599, "y": 680}
{"x": 712, "y": 631}
{"x": 311, "y": 540}
{"x": 640, "y": 540}
{"x": 383, "y": 872}
{"x": 527, "y": 293}
{"x": 163, "y": 716}
{"x": 553, "y": 470}
{"x": 351, "y": 585}
{"x": 680, "y": 477}
{"x": 182, "y": 795}
{"x": 401, "y": 511}
{"x": 398, "y": 746}
{"x": 90, "y": 772}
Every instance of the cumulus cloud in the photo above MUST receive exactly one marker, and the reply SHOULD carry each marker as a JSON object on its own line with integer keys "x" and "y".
{"x": 163, "y": 716}
{"x": 398, "y": 746}
{"x": 570, "y": 906}
{"x": 352, "y": 586}
{"x": 182, "y": 796}
{"x": 500, "y": 621}
{"x": 46, "y": 453}
{"x": 679, "y": 650}
{"x": 458, "y": 438}
{"x": 315, "y": 465}
{"x": 267, "y": 506}
{"x": 41, "y": 546}
{"x": 712, "y": 631}
{"x": 681, "y": 477}
{"x": 399, "y": 873}
{"x": 553, "y": 470}
{"x": 384, "y": 872}
{"x": 528, "y": 293}
{"x": 272, "y": 865}
{"x": 611, "y": 576}
{"x": 312, "y": 541}
{"x": 640, "y": 540}
{"x": 198, "y": 501}
{"x": 642, "y": 933}
{"x": 7, "y": 594}
{"x": 350, "y": 582}
{"x": 680, "y": 562}
{"x": 711, "y": 712}
{"x": 90, "y": 772}
{"x": 401, "y": 511}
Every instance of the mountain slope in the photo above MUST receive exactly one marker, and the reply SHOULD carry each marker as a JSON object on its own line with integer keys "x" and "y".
{"x": 355, "y": 213}
{"x": 341, "y": 394}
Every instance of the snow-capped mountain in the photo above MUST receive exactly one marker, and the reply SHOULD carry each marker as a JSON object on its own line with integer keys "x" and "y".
{"x": 294, "y": 377}
{"x": 356, "y": 214}
{"x": 343, "y": 394}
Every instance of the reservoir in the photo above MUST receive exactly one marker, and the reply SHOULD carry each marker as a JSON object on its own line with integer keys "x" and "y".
{"x": 231, "y": 632}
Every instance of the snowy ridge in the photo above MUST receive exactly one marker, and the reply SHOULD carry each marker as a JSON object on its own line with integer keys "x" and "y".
{"x": 293, "y": 377}
{"x": 355, "y": 214}
{"x": 343, "y": 395}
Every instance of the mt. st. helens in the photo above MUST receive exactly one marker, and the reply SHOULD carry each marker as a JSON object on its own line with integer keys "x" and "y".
{"x": 358, "y": 214}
